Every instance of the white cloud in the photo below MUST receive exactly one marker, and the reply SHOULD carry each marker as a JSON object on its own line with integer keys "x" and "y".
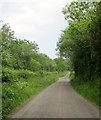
{"x": 40, "y": 20}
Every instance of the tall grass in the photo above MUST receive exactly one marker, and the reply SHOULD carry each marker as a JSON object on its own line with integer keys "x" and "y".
{"x": 89, "y": 90}
{"x": 24, "y": 86}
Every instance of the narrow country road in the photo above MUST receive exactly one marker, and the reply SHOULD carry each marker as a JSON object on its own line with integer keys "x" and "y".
{"x": 57, "y": 101}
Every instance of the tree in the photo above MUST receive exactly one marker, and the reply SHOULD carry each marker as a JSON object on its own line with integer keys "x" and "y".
{"x": 35, "y": 65}
{"x": 60, "y": 64}
{"x": 7, "y": 35}
{"x": 16, "y": 53}
{"x": 78, "y": 11}
{"x": 80, "y": 41}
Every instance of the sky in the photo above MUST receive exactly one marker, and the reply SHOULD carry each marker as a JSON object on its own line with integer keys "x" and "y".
{"x": 36, "y": 20}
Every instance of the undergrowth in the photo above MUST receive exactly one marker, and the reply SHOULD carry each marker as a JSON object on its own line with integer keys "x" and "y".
{"x": 19, "y": 86}
{"x": 90, "y": 90}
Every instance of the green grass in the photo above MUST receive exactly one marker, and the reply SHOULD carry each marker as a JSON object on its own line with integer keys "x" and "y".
{"x": 0, "y": 101}
{"x": 89, "y": 90}
{"x": 24, "y": 86}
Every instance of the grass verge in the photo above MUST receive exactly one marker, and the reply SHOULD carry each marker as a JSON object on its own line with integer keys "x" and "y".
{"x": 24, "y": 86}
{"x": 89, "y": 90}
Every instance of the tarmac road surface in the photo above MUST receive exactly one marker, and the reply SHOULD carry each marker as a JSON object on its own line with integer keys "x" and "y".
{"x": 59, "y": 100}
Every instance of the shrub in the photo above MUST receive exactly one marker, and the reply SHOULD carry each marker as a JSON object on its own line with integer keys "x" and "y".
{"x": 23, "y": 88}
{"x": 72, "y": 75}
{"x": 8, "y": 75}
{"x": 24, "y": 74}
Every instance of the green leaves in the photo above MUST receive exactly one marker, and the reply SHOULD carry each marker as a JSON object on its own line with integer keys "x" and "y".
{"x": 16, "y": 53}
{"x": 78, "y": 11}
{"x": 80, "y": 42}
{"x": 22, "y": 54}
{"x": 8, "y": 75}
{"x": 61, "y": 64}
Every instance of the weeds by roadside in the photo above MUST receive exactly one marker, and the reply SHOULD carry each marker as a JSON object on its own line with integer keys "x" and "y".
{"x": 25, "y": 84}
{"x": 89, "y": 90}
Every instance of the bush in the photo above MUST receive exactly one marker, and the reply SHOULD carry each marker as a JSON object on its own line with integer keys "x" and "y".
{"x": 26, "y": 85}
{"x": 72, "y": 75}
{"x": 24, "y": 73}
{"x": 8, "y": 75}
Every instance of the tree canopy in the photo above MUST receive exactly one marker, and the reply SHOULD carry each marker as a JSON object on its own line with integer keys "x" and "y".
{"x": 80, "y": 41}
{"x": 23, "y": 54}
